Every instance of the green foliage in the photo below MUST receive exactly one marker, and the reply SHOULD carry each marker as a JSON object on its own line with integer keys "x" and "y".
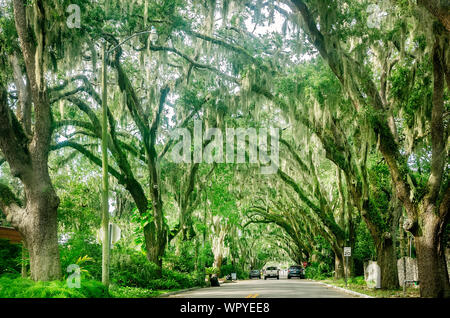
{"x": 134, "y": 270}
{"x": 15, "y": 287}
{"x": 184, "y": 260}
{"x": 82, "y": 250}
{"x": 364, "y": 249}
{"x": 142, "y": 220}
{"x": 130, "y": 292}
{"x": 357, "y": 280}
{"x": 413, "y": 92}
{"x": 185, "y": 280}
{"x": 163, "y": 283}
{"x": 212, "y": 270}
{"x": 10, "y": 257}
{"x": 318, "y": 271}
{"x": 228, "y": 268}
{"x": 7, "y": 196}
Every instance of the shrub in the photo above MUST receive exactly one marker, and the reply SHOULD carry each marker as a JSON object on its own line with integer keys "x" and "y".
{"x": 17, "y": 287}
{"x": 358, "y": 280}
{"x": 10, "y": 257}
{"x": 184, "y": 260}
{"x": 132, "y": 269}
{"x": 83, "y": 251}
{"x": 317, "y": 271}
{"x": 163, "y": 283}
{"x": 184, "y": 280}
{"x": 130, "y": 292}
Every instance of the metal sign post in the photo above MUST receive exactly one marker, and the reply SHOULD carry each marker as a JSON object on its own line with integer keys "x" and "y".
{"x": 347, "y": 254}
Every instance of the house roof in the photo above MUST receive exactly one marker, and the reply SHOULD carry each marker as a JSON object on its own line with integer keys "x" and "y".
{"x": 10, "y": 234}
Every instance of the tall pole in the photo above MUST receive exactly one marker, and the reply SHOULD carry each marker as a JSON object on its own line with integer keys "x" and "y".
{"x": 105, "y": 185}
{"x": 345, "y": 269}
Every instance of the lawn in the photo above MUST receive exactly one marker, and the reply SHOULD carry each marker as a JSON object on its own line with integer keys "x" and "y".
{"x": 358, "y": 284}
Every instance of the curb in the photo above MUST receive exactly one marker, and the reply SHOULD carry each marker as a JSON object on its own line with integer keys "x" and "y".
{"x": 345, "y": 290}
{"x": 178, "y": 292}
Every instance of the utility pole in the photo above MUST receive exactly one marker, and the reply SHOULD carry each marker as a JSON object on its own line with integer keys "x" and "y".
{"x": 105, "y": 185}
{"x": 106, "y": 242}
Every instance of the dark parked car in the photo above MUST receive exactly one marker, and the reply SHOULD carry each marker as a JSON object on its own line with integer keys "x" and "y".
{"x": 296, "y": 271}
{"x": 255, "y": 273}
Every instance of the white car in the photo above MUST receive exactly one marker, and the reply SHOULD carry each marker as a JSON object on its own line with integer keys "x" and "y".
{"x": 271, "y": 271}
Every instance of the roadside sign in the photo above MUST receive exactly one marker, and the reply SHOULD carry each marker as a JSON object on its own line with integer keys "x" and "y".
{"x": 347, "y": 251}
{"x": 114, "y": 234}
{"x": 233, "y": 276}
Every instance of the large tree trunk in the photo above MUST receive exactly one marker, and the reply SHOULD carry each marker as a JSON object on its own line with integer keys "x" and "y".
{"x": 386, "y": 254}
{"x": 155, "y": 246}
{"x": 37, "y": 223}
{"x": 42, "y": 241}
{"x": 155, "y": 242}
{"x": 428, "y": 222}
{"x": 27, "y": 155}
{"x": 440, "y": 9}
{"x": 338, "y": 267}
{"x": 431, "y": 262}
{"x": 387, "y": 260}
{"x": 218, "y": 262}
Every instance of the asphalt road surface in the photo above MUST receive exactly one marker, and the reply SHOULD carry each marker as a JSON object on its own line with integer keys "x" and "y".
{"x": 270, "y": 288}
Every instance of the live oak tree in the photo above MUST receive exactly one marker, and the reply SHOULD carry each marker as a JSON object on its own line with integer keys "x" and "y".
{"x": 25, "y": 134}
{"x": 146, "y": 111}
{"x": 362, "y": 109}
{"x": 428, "y": 212}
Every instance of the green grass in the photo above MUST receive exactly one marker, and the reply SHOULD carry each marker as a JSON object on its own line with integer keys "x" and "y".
{"x": 12, "y": 286}
{"x": 358, "y": 284}
{"x": 17, "y": 287}
{"x": 134, "y": 292}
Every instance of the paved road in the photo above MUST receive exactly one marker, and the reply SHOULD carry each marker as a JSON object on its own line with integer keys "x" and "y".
{"x": 271, "y": 288}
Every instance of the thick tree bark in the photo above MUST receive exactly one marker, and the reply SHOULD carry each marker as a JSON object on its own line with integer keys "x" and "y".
{"x": 27, "y": 156}
{"x": 40, "y": 233}
{"x": 218, "y": 262}
{"x": 432, "y": 214}
{"x": 438, "y": 8}
{"x": 387, "y": 260}
{"x": 431, "y": 262}
{"x": 338, "y": 267}
{"x": 418, "y": 222}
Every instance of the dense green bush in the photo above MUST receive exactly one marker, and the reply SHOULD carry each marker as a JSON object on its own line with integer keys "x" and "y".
{"x": 163, "y": 283}
{"x": 81, "y": 249}
{"x": 364, "y": 249}
{"x": 17, "y": 287}
{"x": 133, "y": 269}
{"x": 318, "y": 271}
{"x": 185, "y": 280}
{"x": 358, "y": 280}
{"x": 10, "y": 257}
{"x": 183, "y": 260}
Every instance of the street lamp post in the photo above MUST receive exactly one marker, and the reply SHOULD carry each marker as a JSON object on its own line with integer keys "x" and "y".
{"x": 105, "y": 184}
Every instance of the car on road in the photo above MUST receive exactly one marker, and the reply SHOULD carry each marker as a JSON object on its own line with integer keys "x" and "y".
{"x": 271, "y": 271}
{"x": 255, "y": 273}
{"x": 296, "y": 271}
